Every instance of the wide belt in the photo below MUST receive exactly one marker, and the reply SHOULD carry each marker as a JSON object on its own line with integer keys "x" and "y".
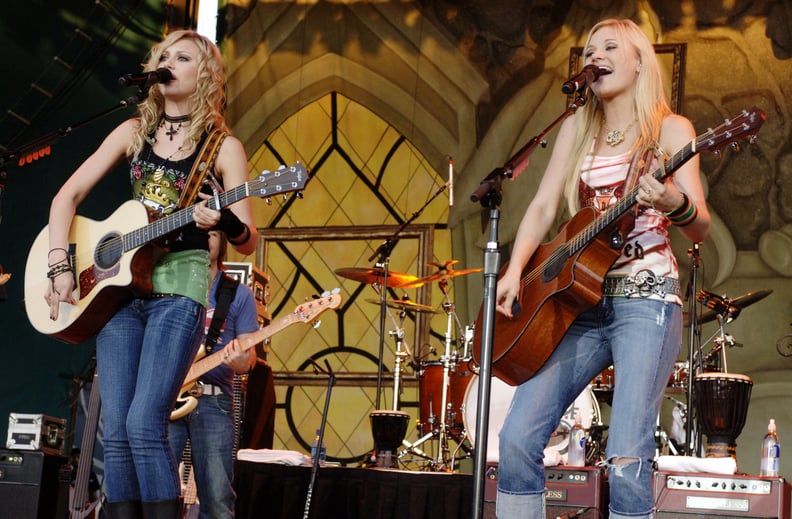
{"x": 202, "y": 388}
{"x": 642, "y": 284}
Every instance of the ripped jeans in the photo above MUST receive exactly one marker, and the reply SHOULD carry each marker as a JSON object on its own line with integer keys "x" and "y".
{"x": 641, "y": 339}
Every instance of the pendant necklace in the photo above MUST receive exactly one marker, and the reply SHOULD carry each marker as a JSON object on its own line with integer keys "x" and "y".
{"x": 173, "y": 130}
{"x": 159, "y": 171}
{"x": 615, "y": 137}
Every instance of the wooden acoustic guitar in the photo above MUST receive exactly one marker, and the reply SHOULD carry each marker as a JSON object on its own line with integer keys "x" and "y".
{"x": 112, "y": 260}
{"x": 564, "y": 277}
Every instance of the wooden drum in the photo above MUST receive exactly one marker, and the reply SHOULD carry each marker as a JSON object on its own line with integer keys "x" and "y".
{"x": 722, "y": 406}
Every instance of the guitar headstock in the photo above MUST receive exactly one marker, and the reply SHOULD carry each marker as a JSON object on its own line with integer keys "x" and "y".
{"x": 279, "y": 182}
{"x": 310, "y": 310}
{"x": 746, "y": 124}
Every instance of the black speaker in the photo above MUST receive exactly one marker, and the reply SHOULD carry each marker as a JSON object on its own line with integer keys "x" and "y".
{"x": 31, "y": 486}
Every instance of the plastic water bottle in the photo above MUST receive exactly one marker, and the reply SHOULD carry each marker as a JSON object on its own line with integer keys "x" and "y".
{"x": 322, "y": 449}
{"x": 771, "y": 451}
{"x": 576, "y": 452}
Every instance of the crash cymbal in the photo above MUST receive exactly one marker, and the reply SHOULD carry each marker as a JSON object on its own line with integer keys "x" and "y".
{"x": 722, "y": 305}
{"x": 376, "y": 275}
{"x": 405, "y": 304}
{"x": 444, "y": 271}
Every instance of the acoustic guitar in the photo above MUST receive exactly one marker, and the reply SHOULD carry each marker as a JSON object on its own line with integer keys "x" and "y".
{"x": 564, "y": 277}
{"x": 112, "y": 260}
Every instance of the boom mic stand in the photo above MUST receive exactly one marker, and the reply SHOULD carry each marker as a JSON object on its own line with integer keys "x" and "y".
{"x": 489, "y": 194}
{"x": 693, "y": 437}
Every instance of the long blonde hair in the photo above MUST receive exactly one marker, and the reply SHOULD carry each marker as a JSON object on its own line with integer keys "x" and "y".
{"x": 649, "y": 103}
{"x": 207, "y": 102}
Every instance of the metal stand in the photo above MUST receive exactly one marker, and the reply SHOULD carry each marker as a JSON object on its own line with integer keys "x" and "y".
{"x": 315, "y": 467}
{"x": 693, "y": 436}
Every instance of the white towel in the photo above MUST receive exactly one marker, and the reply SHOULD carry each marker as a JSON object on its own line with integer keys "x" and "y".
{"x": 283, "y": 457}
{"x": 692, "y": 464}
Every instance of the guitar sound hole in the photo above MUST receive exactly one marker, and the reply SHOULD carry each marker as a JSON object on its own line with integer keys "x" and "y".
{"x": 108, "y": 252}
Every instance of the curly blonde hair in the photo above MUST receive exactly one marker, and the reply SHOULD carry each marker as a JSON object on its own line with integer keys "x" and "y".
{"x": 650, "y": 104}
{"x": 207, "y": 102}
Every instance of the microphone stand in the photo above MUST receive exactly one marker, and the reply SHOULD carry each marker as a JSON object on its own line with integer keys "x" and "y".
{"x": 384, "y": 252}
{"x": 51, "y": 138}
{"x": 489, "y": 193}
{"x": 315, "y": 466}
{"x": 693, "y": 437}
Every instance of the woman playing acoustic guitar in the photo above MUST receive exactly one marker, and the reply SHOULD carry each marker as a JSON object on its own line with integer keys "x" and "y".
{"x": 146, "y": 347}
{"x": 636, "y": 326}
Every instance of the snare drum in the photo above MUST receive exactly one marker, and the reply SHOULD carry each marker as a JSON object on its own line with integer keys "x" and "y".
{"x": 501, "y": 395}
{"x": 430, "y": 389}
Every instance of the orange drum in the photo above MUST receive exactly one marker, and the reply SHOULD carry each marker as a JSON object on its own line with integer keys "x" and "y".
{"x": 430, "y": 388}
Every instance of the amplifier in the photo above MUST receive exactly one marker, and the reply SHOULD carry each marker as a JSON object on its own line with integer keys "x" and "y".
{"x": 684, "y": 495}
{"x": 568, "y": 490}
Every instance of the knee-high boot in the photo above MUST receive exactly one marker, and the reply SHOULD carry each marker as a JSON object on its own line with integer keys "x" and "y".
{"x": 124, "y": 510}
{"x": 165, "y": 509}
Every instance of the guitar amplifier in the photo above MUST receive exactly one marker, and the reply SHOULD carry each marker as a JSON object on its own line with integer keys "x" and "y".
{"x": 688, "y": 495}
{"x": 568, "y": 490}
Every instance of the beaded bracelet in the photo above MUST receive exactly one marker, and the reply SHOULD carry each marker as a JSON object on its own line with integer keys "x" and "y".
{"x": 57, "y": 270}
{"x": 66, "y": 257}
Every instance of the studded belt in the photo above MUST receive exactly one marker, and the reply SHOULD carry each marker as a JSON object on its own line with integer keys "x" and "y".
{"x": 645, "y": 283}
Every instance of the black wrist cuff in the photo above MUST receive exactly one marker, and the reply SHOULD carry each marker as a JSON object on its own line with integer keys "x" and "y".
{"x": 230, "y": 224}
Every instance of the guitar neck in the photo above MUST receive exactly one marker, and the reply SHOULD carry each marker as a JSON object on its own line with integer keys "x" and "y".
{"x": 181, "y": 218}
{"x": 210, "y": 362}
{"x": 628, "y": 200}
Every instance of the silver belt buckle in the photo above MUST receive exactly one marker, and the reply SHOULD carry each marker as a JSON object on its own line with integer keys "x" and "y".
{"x": 644, "y": 283}
{"x": 197, "y": 389}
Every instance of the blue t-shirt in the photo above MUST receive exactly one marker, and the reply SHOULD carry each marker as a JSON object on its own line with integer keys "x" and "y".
{"x": 242, "y": 318}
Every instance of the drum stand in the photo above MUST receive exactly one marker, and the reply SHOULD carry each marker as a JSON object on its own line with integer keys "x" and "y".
{"x": 443, "y": 461}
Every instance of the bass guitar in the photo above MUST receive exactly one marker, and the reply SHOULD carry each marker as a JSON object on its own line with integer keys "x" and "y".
{"x": 112, "y": 260}
{"x": 303, "y": 313}
{"x": 564, "y": 277}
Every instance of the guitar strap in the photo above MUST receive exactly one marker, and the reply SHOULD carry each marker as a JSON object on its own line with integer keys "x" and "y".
{"x": 226, "y": 289}
{"x": 203, "y": 164}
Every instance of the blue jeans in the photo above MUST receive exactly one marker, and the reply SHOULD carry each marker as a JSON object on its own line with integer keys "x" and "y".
{"x": 641, "y": 339}
{"x": 210, "y": 428}
{"x": 143, "y": 354}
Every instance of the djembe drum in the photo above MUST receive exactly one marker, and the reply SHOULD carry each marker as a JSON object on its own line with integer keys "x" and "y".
{"x": 388, "y": 429}
{"x": 722, "y": 406}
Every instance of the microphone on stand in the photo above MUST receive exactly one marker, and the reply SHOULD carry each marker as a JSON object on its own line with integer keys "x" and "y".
{"x": 146, "y": 79}
{"x": 450, "y": 182}
{"x": 589, "y": 74}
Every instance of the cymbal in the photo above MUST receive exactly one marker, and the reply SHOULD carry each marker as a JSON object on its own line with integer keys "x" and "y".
{"x": 444, "y": 271}
{"x": 405, "y": 304}
{"x": 725, "y": 306}
{"x": 376, "y": 275}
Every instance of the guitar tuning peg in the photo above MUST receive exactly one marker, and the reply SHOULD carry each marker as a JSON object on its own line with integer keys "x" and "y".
{"x": 735, "y": 146}
{"x": 325, "y": 293}
{"x": 268, "y": 201}
{"x": 285, "y": 197}
{"x": 316, "y": 324}
{"x": 337, "y": 290}
{"x": 299, "y": 195}
{"x": 281, "y": 167}
{"x": 752, "y": 139}
{"x": 717, "y": 153}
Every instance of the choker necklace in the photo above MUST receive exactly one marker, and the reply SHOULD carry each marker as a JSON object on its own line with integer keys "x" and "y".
{"x": 171, "y": 131}
{"x": 615, "y": 137}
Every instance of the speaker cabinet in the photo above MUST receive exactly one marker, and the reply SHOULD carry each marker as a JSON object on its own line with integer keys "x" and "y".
{"x": 568, "y": 490}
{"x": 30, "y": 485}
{"x": 689, "y": 495}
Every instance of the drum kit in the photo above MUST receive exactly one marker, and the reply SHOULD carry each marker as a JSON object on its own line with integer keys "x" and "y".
{"x": 448, "y": 387}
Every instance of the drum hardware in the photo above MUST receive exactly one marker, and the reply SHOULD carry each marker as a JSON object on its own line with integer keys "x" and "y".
{"x": 446, "y": 428}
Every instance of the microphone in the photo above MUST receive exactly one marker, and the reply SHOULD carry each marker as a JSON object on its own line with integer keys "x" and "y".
{"x": 146, "y": 79}
{"x": 450, "y": 182}
{"x": 588, "y": 75}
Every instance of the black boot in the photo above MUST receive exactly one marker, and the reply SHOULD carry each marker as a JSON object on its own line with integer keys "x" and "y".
{"x": 165, "y": 509}
{"x": 124, "y": 510}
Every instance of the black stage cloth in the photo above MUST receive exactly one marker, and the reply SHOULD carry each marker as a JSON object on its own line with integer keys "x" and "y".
{"x": 279, "y": 492}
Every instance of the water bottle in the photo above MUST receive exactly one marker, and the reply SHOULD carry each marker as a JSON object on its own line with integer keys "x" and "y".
{"x": 771, "y": 451}
{"x": 576, "y": 452}
{"x": 322, "y": 449}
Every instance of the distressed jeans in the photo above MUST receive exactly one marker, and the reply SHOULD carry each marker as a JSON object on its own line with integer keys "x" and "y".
{"x": 641, "y": 339}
